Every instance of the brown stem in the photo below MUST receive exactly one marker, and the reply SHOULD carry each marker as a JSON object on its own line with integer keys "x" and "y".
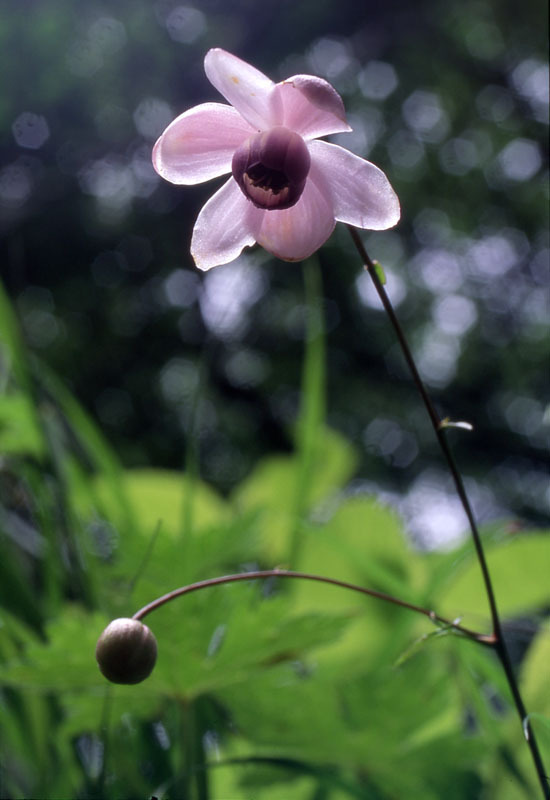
{"x": 439, "y": 428}
{"x": 279, "y": 573}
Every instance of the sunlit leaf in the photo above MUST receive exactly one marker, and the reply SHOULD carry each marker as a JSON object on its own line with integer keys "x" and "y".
{"x": 535, "y": 677}
{"x": 519, "y": 569}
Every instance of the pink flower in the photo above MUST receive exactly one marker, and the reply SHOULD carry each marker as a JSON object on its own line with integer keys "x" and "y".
{"x": 287, "y": 189}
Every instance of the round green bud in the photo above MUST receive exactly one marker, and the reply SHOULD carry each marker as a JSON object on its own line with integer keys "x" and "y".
{"x": 126, "y": 651}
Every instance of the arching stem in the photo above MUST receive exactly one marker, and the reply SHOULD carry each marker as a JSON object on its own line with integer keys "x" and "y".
{"x": 279, "y": 573}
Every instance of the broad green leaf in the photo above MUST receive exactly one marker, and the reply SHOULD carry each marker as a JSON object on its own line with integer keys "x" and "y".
{"x": 270, "y": 490}
{"x": 146, "y": 566}
{"x": 212, "y": 639}
{"x": 335, "y": 461}
{"x": 519, "y": 569}
{"x": 369, "y": 723}
{"x": 65, "y": 661}
{"x": 158, "y": 497}
{"x": 370, "y": 535}
{"x": 220, "y": 637}
{"x": 362, "y": 543}
{"x": 240, "y": 774}
{"x": 535, "y": 673}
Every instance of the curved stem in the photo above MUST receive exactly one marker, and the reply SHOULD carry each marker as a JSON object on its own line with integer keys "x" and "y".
{"x": 279, "y": 573}
{"x": 439, "y": 429}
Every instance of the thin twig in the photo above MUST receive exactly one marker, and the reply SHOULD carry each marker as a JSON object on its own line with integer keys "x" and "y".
{"x": 279, "y": 573}
{"x": 439, "y": 428}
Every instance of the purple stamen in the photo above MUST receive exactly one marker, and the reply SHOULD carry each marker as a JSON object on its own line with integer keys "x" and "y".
{"x": 271, "y": 168}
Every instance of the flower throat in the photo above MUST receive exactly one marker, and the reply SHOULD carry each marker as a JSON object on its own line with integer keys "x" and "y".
{"x": 271, "y": 168}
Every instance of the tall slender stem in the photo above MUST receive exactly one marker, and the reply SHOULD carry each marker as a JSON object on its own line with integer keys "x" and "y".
{"x": 279, "y": 573}
{"x": 439, "y": 429}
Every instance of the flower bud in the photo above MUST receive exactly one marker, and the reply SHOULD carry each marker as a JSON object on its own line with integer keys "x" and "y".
{"x": 271, "y": 168}
{"x": 126, "y": 651}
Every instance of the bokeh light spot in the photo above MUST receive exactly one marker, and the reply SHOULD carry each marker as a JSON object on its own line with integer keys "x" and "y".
{"x": 30, "y": 130}
{"x": 492, "y": 256}
{"x": 151, "y": 117}
{"x": 530, "y": 79}
{"x": 15, "y": 185}
{"x": 439, "y": 270}
{"x": 330, "y": 58}
{"x": 454, "y": 314}
{"x": 520, "y": 160}
{"x": 185, "y": 24}
{"x": 107, "y": 34}
{"x": 181, "y": 288}
{"x": 424, "y": 114}
{"x": 378, "y": 80}
{"x": 228, "y": 292}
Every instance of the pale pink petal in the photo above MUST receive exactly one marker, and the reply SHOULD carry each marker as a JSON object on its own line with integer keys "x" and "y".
{"x": 227, "y": 223}
{"x": 199, "y": 144}
{"x": 361, "y": 194}
{"x": 297, "y": 232}
{"x": 242, "y": 85}
{"x": 310, "y": 106}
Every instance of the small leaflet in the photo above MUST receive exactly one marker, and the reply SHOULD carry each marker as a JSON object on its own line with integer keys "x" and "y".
{"x": 447, "y": 423}
{"x": 380, "y": 272}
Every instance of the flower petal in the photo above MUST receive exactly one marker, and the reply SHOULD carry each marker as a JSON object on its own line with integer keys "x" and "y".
{"x": 361, "y": 193}
{"x": 226, "y": 224}
{"x": 310, "y": 106}
{"x": 297, "y": 232}
{"x": 199, "y": 144}
{"x": 242, "y": 85}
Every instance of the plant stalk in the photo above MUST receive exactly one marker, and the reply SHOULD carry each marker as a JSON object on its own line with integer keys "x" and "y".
{"x": 279, "y": 573}
{"x": 439, "y": 429}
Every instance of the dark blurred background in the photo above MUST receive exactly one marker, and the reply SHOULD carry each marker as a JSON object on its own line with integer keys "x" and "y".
{"x": 449, "y": 98}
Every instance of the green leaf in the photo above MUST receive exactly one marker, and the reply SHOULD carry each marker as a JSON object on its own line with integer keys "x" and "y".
{"x": 269, "y": 490}
{"x": 535, "y": 673}
{"x": 363, "y": 543}
{"x": 519, "y": 568}
{"x": 65, "y": 661}
{"x": 380, "y": 272}
{"x": 221, "y": 636}
{"x": 215, "y": 638}
{"x": 158, "y": 496}
{"x": 370, "y": 723}
{"x": 445, "y": 630}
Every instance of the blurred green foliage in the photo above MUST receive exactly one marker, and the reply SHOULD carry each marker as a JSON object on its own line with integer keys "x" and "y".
{"x": 131, "y": 365}
{"x": 262, "y": 689}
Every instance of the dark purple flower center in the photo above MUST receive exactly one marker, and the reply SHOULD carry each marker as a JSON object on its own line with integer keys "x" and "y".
{"x": 271, "y": 168}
